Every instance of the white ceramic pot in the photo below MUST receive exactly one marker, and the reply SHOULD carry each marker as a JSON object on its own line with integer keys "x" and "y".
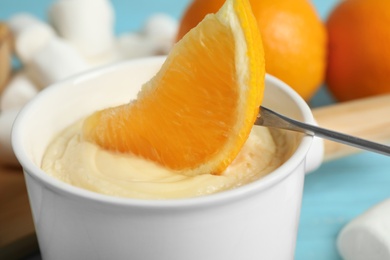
{"x": 256, "y": 221}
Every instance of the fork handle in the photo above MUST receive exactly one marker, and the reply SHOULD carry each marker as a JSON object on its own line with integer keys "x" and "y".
{"x": 367, "y": 118}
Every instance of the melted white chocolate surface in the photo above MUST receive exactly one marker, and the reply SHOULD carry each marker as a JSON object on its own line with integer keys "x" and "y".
{"x": 86, "y": 165}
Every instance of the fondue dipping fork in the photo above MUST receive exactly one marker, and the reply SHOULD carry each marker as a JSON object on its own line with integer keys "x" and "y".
{"x": 270, "y": 118}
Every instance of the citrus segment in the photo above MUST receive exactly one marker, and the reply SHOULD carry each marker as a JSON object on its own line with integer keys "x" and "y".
{"x": 197, "y": 112}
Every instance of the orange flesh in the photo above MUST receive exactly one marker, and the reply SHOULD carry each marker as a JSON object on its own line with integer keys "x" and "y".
{"x": 197, "y": 112}
{"x": 136, "y": 134}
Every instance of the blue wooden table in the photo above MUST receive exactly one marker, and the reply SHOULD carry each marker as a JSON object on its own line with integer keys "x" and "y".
{"x": 333, "y": 195}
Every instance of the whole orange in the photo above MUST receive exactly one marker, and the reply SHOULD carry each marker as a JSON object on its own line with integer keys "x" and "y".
{"x": 359, "y": 49}
{"x": 294, "y": 39}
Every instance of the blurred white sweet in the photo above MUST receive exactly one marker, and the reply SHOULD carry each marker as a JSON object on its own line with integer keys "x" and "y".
{"x": 57, "y": 61}
{"x": 30, "y": 35}
{"x": 7, "y": 155}
{"x": 87, "y": 24}
{"x": 134, "y": 45}
{"x": 109, "y": 56}
{"x": 82, "y": 37}
{"x": 161, "y": 30}
{"x": 18, "y": 92}
{"x": 156, "y": 37}
{"x": 368, "y": 235}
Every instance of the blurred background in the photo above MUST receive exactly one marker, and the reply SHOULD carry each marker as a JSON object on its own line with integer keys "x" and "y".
{"x": 337, "y": 192}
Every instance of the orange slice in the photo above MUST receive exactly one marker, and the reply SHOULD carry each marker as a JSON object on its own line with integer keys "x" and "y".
{"x": 195, "y": 115}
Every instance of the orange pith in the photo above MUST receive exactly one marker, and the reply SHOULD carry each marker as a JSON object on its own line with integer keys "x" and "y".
{"x": 197, "y": 112}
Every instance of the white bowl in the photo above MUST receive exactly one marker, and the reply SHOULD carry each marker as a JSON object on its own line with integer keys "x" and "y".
{"x": 256, "y": 221}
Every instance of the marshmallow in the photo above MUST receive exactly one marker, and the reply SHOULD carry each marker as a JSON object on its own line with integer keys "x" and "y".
{"x": 18, "y": 92}
{"x": 134, "y": 45}
{"x": 57, "y": 61}
{"x": 87, "y": 24}
{"x": 161, "y": 29}
{"x": 368, "y": 235}
{"x": 110, "y": 56}
{"x": 30, "y": 35}
{"x": 7, "y": 118}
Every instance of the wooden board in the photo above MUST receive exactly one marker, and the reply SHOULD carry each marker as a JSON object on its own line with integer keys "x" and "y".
{"x": 17, "y": 234}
